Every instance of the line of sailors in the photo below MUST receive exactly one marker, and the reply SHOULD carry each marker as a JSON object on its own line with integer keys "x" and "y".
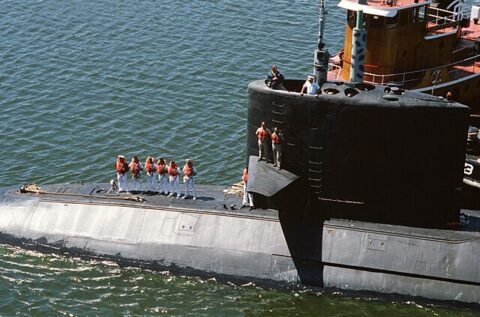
{"x": 159, "y": 176}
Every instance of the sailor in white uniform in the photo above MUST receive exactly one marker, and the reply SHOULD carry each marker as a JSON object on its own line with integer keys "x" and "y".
{"x": 189, "y": 172}
{"x": 173, "y": 174}
{"x": 136, "y": 167}
{"x": 150, "y": 169}
{"x": 162, "y": 172}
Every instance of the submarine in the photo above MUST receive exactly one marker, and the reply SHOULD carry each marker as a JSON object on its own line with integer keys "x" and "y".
{"x": 358, "y": 204}
{"x": 368, "y": 199}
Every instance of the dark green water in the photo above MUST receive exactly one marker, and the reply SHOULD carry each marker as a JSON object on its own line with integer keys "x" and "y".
{"x": 83, "y": 81}
{"x": 40, "y": 285}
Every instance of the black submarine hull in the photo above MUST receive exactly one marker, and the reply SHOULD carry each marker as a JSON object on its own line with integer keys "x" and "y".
{"x": 356, "y": 152}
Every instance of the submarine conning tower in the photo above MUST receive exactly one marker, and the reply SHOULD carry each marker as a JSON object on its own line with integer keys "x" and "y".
{"x": 363, "y": 152}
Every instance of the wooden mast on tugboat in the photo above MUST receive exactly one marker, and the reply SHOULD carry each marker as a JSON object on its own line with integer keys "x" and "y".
{"x": 425, "y": 46}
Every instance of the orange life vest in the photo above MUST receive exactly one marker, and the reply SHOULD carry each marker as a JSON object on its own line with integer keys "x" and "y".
{"x": 245, "y": 175}
{"x": 121, "y": 167}
{"x": 149, "y": 167}
{"x": 262, "y": 134}
{"x": 276, "y": 138}
{"x": 187, "y": 170}
{"x": 135, "y": 169}
{"x": 162, "y": 169}
{"x": 172, "y": 170}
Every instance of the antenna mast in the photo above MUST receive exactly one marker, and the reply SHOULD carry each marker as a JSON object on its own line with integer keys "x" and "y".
{"x": 321, "y": 55}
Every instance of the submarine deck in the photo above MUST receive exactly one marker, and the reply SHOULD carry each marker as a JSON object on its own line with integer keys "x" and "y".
{"x": 210, "y": 199}
{"x": 219, "y": 200}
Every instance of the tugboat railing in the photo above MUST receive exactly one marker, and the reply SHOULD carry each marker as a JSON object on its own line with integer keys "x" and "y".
{"x": 442, "y": 19}
{"x": 336, "y": 70}
{"x": 407, "y": 77}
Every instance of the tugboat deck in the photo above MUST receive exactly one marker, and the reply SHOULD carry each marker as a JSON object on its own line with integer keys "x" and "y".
{"x": 472, "y": 32}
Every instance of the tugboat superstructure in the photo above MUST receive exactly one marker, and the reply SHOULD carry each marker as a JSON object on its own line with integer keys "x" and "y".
{"x": 427, "y": 46}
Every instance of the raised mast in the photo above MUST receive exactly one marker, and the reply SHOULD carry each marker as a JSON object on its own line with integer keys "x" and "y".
{"x": 321, "y": 55}
{"x": 359, "y": 38}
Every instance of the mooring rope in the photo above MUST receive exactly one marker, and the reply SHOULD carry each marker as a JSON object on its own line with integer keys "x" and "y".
{"x": 235, "y": 189}
{"x": 35, "y": 189}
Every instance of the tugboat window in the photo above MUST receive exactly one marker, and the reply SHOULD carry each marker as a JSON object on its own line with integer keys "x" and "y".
{"x": 421, "y": 14}
{"x": 376, "y": 21}
{"x": 392, "y": 22}
{"x": 414, "y": 15}
{"x": 403, "y": 17}
{"x": 351, "y": 18}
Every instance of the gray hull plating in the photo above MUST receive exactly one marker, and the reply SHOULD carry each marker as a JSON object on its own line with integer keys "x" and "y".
{"x": 209, "y": 240}
{"x": 439, "y": 264}
{"x": 210, "y": 236}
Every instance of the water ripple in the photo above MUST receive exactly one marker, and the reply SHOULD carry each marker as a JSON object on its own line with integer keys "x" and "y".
{"x": 85, "y": 82}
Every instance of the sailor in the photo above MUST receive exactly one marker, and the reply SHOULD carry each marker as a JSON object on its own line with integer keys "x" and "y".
{"x": 449, "y": 96}
{"x": 262, "y": 136}
{"x": 247, "y": 197}
{"x": 189, "y": 173}
{"x": 150, "y": 170}
{"x": 173, "y": 173}
{"x": 122, "y": 169}
{"x": 274, "y": 78}
{"x": 277, "y": 140}
{"x": 135, "y": 168}
{"x": 311, "y": 86}
{"x": 162, "y": 176}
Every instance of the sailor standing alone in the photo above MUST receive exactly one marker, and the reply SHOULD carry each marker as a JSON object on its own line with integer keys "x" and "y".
{"x": 189, "y": 172}
{"x": 311, "y": 86}
{"x": 247, "y": 197}
{"x": 122, "y": 169}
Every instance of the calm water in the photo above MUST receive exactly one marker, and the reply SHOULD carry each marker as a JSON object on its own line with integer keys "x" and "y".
{"x": 83, "y": 81}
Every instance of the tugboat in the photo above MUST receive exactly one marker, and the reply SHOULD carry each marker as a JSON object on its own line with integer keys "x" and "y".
{"x": 367, "y": 199}
{"x": 425, "y": 46}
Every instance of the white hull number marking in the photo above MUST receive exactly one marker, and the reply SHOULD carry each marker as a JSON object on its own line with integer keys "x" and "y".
{"x": 468, "y": 170}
